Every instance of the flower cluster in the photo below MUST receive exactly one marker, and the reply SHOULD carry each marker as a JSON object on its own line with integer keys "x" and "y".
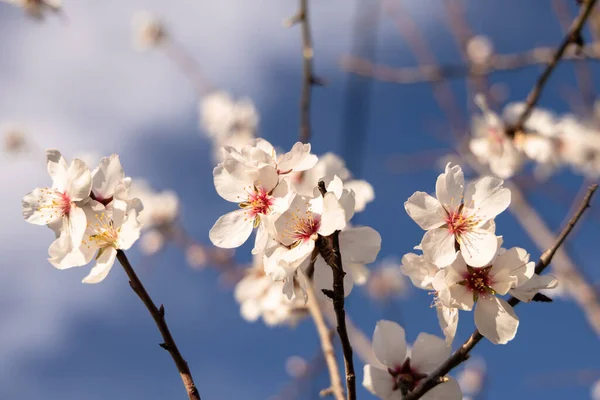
{"x": 463, "y": 261}
{"x": 401, "y": 369}
{"x": 290, "y": 220}
{"x": 90, "y": 212}
{"x": 548, "y": 141}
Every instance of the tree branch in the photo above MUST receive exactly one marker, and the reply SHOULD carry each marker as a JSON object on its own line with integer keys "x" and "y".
{"x": 158, "y": 314}
{"x": 326, "y": 345}
{"x": 573, "y": 35}
{"x": 329, "y": 247}
{"x": 460, "y": 355}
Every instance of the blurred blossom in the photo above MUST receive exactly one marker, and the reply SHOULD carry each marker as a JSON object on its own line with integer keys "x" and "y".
{"x": 479, "y": 49}
{"x": 14, "y": 140}
{"x": 260, "y": 296}
{"x": 159, "y": 216}
{"x": 595, "y": 391}
{"x": 196, "y": 256}
{"x": 296, "y": 366}
{"x": 37, "y": 8}
{"x": 228, "y": 122}
{"x": 149, "y": 31}
{"x": 387, "y": 281}
{"x": 472, "y": 377}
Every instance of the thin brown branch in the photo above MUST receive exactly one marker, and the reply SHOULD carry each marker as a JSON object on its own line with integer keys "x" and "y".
{"x": 572, "y": 36}
{"x": 329, "y": 247}
{"x": 158, "y": 314}
{"x": 460, "y": 355}
{"x": 188, "y": 66}
{"x": 326, "y": 345}
{"x": 431, "y": 73}
{"x": 308, "y": 76}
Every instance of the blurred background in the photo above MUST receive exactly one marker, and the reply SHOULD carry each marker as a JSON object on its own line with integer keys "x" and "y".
{"x": 76, "y": 80}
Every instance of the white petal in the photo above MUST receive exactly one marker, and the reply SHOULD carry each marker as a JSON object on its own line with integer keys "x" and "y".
{"x": 448, "y": 319}
{"x": 333, "y": 217}
{"x": 334, "y": 185}
{"x": 425, "y": 210}
{"x": 264, "y": 146}
{"x": 79, "y": 181}
{"x": 323, "y": 278}
{"x": 360, "y": 245}
{"x": 130, "y": 230}
{"x": 380, "y": 383}
{"x": 389, "y": 343}
{"x": 486, "y": 198}
{"x": 496, "y": 319}
{"x": 76, "y": 225}
{"x": 267, "y": 178}
{"x": 515, "y": 265}
{"x": 103, "y": 265}
{"x": 420, "y": 271}
{"x": 57, "y": 169}
{"x": 297, "y": 159}
{"x": 363, "y": 193}
{"x": 62, "y": 255}
{"x": 348, "y": 203}
{"x": 261, "y": 238}
{"x": 529, "y": 289}
{"x": 438, "y": 247}
{"x": 233, "y": 180}
{"x": 478, "y": 247}
{"x": 299, "y": 253}
{"x": 449, "y": 390}
{"x": 428, "y": 352}
{"x": 449, "y": 187}
{"x": 38, "y": 207}
{"x": 107, "y": 176}
{"x": 231, "y": 230}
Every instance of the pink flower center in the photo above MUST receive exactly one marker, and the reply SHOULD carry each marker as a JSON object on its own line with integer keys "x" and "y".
{"x": 458, "y": 223}
{"x": 64, "y": 203}
{"x": 405, "y": 377}
{"x": 304, "y": 228}
{"x": 259, "y": 202}
{"x": 478, "y": 281}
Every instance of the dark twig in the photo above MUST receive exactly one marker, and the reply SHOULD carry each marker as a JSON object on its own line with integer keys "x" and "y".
{"x": 308, "y": 77}
{"x": 572, "y": 36}
{"x": 158, "y": 314}
{"x": 329, "y": 247}
{"x": 460, "y": 355}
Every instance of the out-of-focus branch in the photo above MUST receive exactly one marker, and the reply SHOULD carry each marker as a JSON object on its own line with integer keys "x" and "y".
{"x": 308, "y": 77}
{"x": 158, "y": 314}
{"x": 565, "y": 269}
{"x": 188, "y": 65}
{"x": 326, "y": 345}
{"x": 329, "y": 247}
{"x": 573, "y": 36}
{"x": 460, "y": 355}
{"x": 432, "y": 73}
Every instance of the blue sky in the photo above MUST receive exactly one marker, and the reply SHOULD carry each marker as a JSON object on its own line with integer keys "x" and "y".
{"x": 80, "y": 87}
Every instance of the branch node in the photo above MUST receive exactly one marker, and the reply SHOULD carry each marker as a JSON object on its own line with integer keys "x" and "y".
{"x": 328, "y": 293}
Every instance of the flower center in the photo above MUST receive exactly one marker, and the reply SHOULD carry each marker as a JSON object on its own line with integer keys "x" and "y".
{"x": 405, "y": 377}
{"x": 458, "y": 223}
{"x": 304, "y": 227}
{"x": 105, "y": 233}
{"x": 478, "y": 281}
{"x": 259, "y": 202}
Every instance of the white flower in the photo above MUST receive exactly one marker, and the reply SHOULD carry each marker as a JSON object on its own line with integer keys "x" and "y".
{"x": 400, "y": 371}
{"x": 492, "y": 146}
{"x": 260, "y": 296}
{"x": 579, "y": 146}
{"x": 479, "y": 49}
{"x": 472, "y": 377}
{"x": 422, "y": 274}
{"x": 109, "y": 229}
{"x": 37, "y": 8}
{"x": 259, "y": 194}
{"x": 260, "y": 153}
{"x": 328, "y": 166}
{"x": 148, "y": 31}
{"x": 387, "y": 281}
{"x": 462, "y": 286}
{"x": 107, "y": 178}
{"x": 450, "y": 218}
{"x": 58, "y": 206}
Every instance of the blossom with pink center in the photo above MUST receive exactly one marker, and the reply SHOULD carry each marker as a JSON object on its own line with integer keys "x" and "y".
{"x": 59, "y": 206}
{"x": 453, "y": 221}
{"x": 259, "y": 194}
{"x": 400, "y": 370}
{"x": 462, "y": 286}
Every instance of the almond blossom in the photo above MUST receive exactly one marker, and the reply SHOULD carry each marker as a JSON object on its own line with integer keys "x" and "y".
{"x": 452, "y": 220}
{"x": 149, "y": 31}
{"x": 60, "y": 206}
{"x": 258, "y": 192}
{"x": 401, "y": 369}
{"x": 464, "y": 287}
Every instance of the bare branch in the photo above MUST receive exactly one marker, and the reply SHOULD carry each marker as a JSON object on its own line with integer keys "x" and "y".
{"x": 462, "y": 353}
{"x": 326, "y": 345}
{"x": 158, "y": 314}
{"x": 329, "y": 247}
